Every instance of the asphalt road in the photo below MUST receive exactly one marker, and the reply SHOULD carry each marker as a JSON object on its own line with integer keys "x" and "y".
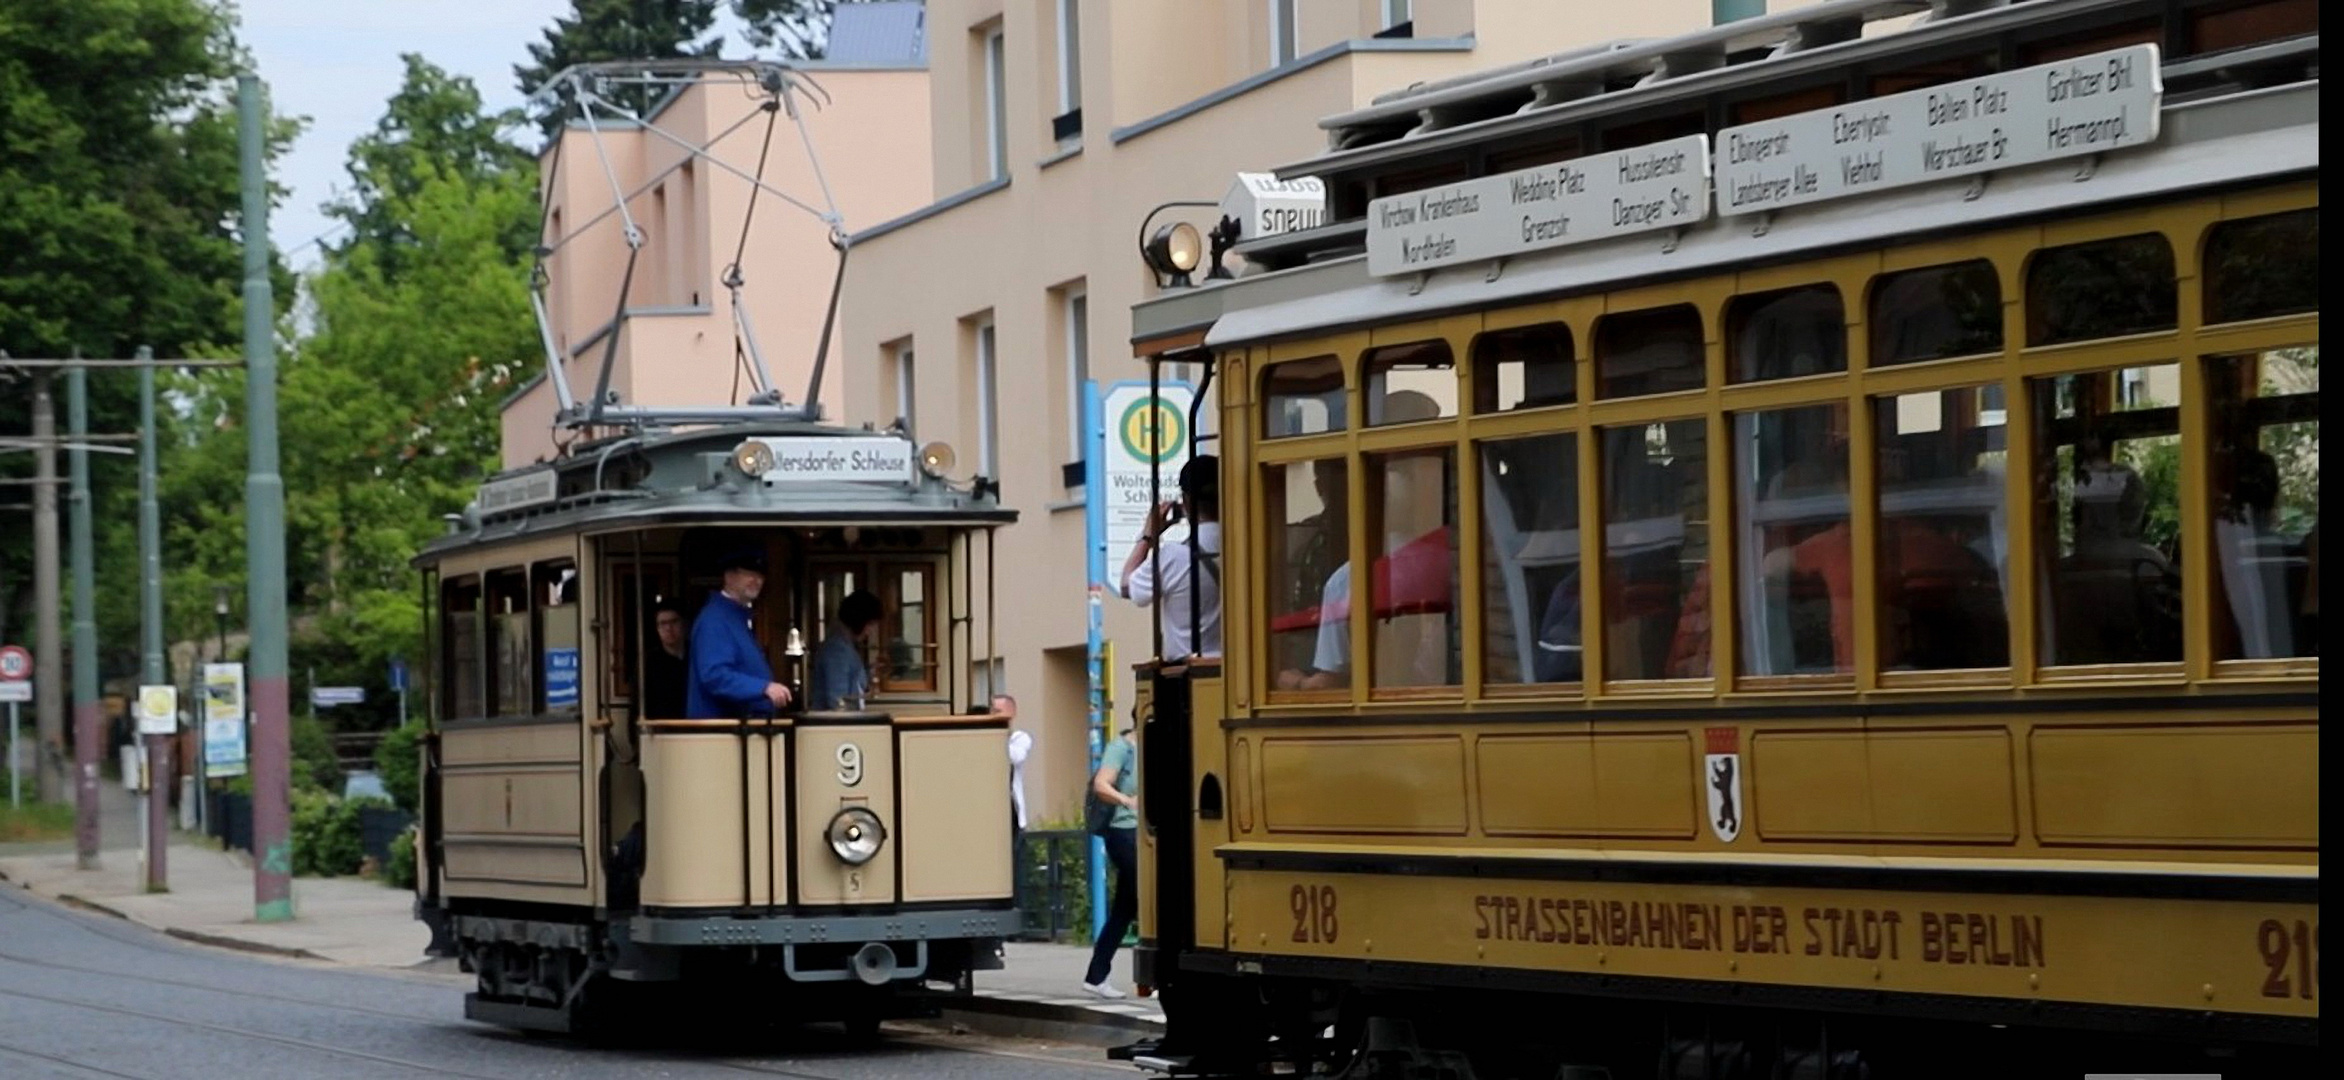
{"x": 84, "y": 996}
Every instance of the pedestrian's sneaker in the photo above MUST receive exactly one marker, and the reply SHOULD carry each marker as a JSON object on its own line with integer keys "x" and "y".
{"x": 1102, "y": 989}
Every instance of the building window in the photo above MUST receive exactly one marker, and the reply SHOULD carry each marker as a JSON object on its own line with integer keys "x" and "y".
{"x": 988, "y": 404}
{"x": 1069, "y": 122}
{"x": 1722, "y": 12}
{"x": 1078, "y": 371}
{"x": 1282, "y": 32}
{"x": 1398, "y": 13}
{"x": 996, "y": 108}
{"x": 907, "y": 396}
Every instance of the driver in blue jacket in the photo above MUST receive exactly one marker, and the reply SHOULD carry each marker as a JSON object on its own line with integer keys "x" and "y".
{"x": 730, "y": 676}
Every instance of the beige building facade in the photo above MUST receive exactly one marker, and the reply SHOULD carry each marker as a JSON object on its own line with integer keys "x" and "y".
{"x": 1057, "y": 126}
{"x": 678, "y": 344}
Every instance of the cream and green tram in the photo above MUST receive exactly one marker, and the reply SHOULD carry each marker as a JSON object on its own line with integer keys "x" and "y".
{"x": 1836, "y": 498}
{"x": 586, "y": 853}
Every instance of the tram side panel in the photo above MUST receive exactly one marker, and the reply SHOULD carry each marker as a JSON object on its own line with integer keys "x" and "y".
{"x": 2095, "y": 859}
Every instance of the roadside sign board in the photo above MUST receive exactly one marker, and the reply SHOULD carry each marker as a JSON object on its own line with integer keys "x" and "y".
{"x": 1141, "y": 431}
{"x": 326, "y": 696}
{"x": 399, "y": 676}
{"x": 223, "y": 720}
{"x": 158, "y": 710}
{"x": 16, "y": 665}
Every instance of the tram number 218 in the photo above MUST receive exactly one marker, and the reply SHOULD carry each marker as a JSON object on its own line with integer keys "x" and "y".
{"x": 1315, "y": 921}
{"x": 2292, "y": 953}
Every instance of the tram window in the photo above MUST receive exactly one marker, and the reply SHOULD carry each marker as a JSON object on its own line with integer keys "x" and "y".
{"x": 1303, "y": 397}
{"x": 1649, "y": 352}
{"x": 1524, "y": 368}
{"x": 2260, "y": 267}
{"x": 1797, "y": 553}
{"x": 1656, "y": 550}
{"x": 1936, "y": 312}
{"x": 460, "y": 622}
{"x": 1405, "y": 383}
{"x": 908, "y": 622}
{"x": 1308, "y": 506}
{"x": 2265, "y": 488}
{"x": 1530, "y": 560}
{"x": 2108, "y": 485}
{"x": 1943, "y": 543}
{"x": 511, "y": 690}
{"x": 555, "y": 589}
{"x": 2105, "y": 288}
{"x": 1414, "y": 583}
{"x": 1787, "y": 333}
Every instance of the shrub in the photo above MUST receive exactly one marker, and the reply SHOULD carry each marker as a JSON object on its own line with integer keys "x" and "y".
{"x": 399, "y": 873}
{"x": 325, "y": 834}
{"x": 314, "y": 765}
{"x": 396, "y": 761}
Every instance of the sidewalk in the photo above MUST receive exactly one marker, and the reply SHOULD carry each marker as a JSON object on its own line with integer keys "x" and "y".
{"x": 356, "y": 921}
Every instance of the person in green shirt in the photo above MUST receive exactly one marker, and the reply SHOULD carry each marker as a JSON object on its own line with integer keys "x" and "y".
{"x": 1117, "y": 782}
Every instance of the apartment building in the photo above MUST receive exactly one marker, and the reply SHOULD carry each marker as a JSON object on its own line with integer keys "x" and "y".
{"x": 1056, "y": 127}
{"x": 678, "y": 342}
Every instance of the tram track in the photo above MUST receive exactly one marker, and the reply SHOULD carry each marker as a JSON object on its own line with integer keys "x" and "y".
{"x": 288, "y": 1041}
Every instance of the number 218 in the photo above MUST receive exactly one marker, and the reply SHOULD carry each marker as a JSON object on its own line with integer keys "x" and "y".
{"x": 1314, "y": 913}
{"x": 2293, "y": 955}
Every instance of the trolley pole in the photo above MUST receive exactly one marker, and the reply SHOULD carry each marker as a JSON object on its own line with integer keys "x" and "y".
{"x": 150, "y": 561}
{"x": 89, "y": 730}
{"x": 264, "y": 535}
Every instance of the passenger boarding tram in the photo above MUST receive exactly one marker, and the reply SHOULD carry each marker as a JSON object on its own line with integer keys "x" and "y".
{"x": 584, "y": 851}
{"x": 1840, "y": 495}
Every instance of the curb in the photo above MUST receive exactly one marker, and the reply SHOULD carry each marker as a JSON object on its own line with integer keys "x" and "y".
{"x": 1073, "y": 1023}
{"x": 217, "y": 941}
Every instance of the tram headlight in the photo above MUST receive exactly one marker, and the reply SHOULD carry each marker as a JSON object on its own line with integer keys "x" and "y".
{"x": 753, "y": 458}
{"x": 937, "y": 460}
{"x": 855, "y": 835}
{"x": 1175, "y": 251}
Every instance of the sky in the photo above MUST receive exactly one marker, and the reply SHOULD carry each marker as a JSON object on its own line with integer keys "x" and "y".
{"x": 338, "y": 63}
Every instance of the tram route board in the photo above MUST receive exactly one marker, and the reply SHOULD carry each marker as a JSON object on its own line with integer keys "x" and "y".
{"x": 2072, "y": 108}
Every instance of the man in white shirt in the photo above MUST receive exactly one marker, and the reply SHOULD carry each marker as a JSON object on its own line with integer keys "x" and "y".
{"x": 1161, "y": 574}
{"x": 1021, "y": 746}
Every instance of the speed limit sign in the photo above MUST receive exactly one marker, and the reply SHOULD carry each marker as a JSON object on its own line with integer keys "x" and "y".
{"x": 16, "y": 665}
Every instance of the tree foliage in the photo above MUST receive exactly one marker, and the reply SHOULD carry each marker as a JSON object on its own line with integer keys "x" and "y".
{"x": 597, "y": 30}
{"x": 119, "y": 194}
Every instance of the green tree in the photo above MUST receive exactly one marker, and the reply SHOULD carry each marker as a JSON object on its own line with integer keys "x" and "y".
{"x": 434, "y": 126}
{"x": 597, "y": 30}
{"x": 118, "y": 201}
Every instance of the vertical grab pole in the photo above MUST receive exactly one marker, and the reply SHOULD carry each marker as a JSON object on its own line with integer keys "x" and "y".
{"x": 1094, "y": 519}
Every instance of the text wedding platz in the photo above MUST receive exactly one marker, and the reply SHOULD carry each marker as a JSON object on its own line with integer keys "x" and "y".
{"x": 2071, "y": 108}
{"x": 1660, "y": 186}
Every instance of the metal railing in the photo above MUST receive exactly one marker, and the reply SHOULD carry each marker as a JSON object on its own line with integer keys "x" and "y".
{"x": 1052, "y": 882}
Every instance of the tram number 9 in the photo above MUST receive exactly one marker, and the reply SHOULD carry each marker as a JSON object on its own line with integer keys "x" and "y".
{"x": 2292, "y": 952}
{"x": 1314, "y": 914}
{"x": 850, "y": 764}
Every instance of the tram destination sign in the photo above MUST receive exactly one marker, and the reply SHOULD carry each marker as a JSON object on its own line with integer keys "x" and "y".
{"x": 518, "y": 491}
{"x": 2087, "y": 105}
{"x": 1662, "y": 185}
{"x": 831, "y": 458}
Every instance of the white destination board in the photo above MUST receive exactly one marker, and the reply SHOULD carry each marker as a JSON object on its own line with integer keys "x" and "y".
{"x": 1266, "y": 206}
{"x": 811, "y": 459}
{"x": 2088, "y": 105}
{"x": 515, "y": 492}
{"x": 1660, "y": 186}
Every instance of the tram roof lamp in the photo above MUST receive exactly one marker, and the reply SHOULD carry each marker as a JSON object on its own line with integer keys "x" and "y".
{"x": 937, "y": 459}
{"x": 1175, "y": 250}
{"x": 753, "y": 458}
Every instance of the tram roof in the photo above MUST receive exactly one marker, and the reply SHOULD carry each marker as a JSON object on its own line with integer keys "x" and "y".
{"x": 689, "y": 477}
{"x": 2231, "y": 117}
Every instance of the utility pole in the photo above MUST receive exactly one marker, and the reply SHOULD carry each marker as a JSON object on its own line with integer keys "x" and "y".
{"x": 264, "y": 535}
{"x": 88, "y": 726}
{"x": 48, "y": 601}
{"x": 150, "y": 562}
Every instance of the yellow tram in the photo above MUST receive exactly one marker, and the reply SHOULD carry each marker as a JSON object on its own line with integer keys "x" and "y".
{"x": 586, "y": 852}
{"x": 1841, "y": 495}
